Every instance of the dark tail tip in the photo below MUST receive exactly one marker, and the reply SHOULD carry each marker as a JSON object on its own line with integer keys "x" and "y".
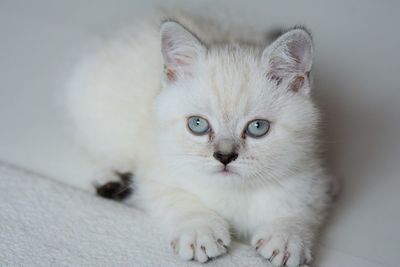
{"x": 117, "y": 190}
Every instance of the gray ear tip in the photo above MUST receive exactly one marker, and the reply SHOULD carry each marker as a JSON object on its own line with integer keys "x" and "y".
{"x": 168, "y": 23}
{"x": 304, "y": 29}
{"x": 300, "y": 30}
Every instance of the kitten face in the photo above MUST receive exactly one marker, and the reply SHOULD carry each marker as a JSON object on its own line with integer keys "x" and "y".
{"x": 230, "y": 87}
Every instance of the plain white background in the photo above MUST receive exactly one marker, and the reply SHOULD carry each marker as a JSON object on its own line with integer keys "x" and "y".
{"x": 356, "y": 66}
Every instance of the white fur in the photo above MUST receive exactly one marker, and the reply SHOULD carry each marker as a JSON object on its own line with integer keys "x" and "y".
{"x": 128, "y": 114}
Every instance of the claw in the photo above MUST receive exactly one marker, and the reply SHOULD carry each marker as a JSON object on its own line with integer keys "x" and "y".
{"x": 285, "y": 258}
{"x": 203, "y": 248}
{"x": 192, "y": 247}
{"x": 259, "y": 244}
{"x": 222, "y": 243}
{"x": 274, "y": 253}
{"x": 173, "y": 246}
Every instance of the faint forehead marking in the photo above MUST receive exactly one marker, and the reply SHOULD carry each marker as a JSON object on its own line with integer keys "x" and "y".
{"x": 230, "y": 81}
{"x": 214, "y": 86}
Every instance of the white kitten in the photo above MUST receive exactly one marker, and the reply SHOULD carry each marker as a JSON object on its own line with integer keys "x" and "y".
{"x": 221, "y": 138}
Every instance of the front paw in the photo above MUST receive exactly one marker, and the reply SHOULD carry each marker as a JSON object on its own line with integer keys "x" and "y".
{"x": 201, "y": 241}
{"x": 282, "y": 247}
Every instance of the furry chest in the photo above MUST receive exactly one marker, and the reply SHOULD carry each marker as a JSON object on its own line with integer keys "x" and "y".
{"x": 246, "y": 211}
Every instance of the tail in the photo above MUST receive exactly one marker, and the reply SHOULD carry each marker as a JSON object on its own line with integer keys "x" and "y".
{"x": 117, "y": 190}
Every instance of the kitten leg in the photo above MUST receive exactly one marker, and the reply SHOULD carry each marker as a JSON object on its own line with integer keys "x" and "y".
{"x": 285, "y": 242}
{"x": 195, "y": 232}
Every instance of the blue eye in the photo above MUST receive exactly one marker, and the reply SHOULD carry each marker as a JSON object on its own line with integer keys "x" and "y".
{"x": 197, "y": 125}
{"x": 257, "y": 128}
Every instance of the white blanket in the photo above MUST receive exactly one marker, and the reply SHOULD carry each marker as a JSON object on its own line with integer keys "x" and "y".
{"x": 44, "y": 223}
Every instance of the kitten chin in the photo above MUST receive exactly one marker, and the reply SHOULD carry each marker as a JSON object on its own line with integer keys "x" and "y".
{"x": 221, "y": 137}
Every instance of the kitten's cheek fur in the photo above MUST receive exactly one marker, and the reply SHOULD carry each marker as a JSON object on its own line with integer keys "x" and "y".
{"x": 283, "y": 246}
{"x": 201, "y": 239}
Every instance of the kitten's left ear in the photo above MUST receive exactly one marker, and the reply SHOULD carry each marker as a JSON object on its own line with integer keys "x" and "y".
{"x": 289, "y": 59}
{"x": 180, "y": 50}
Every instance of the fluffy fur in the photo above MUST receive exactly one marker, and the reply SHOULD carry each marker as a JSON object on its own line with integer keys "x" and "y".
{"x": 130, "y": 99}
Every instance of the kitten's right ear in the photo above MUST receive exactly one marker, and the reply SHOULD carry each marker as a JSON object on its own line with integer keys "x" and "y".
{"x": 180, "y": 50}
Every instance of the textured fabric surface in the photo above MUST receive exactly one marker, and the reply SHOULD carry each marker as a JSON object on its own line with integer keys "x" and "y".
{"x": 43, "y": 223}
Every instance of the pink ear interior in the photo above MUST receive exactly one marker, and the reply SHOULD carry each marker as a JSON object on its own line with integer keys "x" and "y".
{"x": 180, "y": 50}
{"x": 297, "y": 84}
{"x": 290, "y": 58}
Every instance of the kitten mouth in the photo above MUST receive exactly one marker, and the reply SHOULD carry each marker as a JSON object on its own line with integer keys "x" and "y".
{"x": 226, "y": 171}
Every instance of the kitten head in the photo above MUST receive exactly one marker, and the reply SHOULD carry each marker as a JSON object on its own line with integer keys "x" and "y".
{"x": 235, "y": 114}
